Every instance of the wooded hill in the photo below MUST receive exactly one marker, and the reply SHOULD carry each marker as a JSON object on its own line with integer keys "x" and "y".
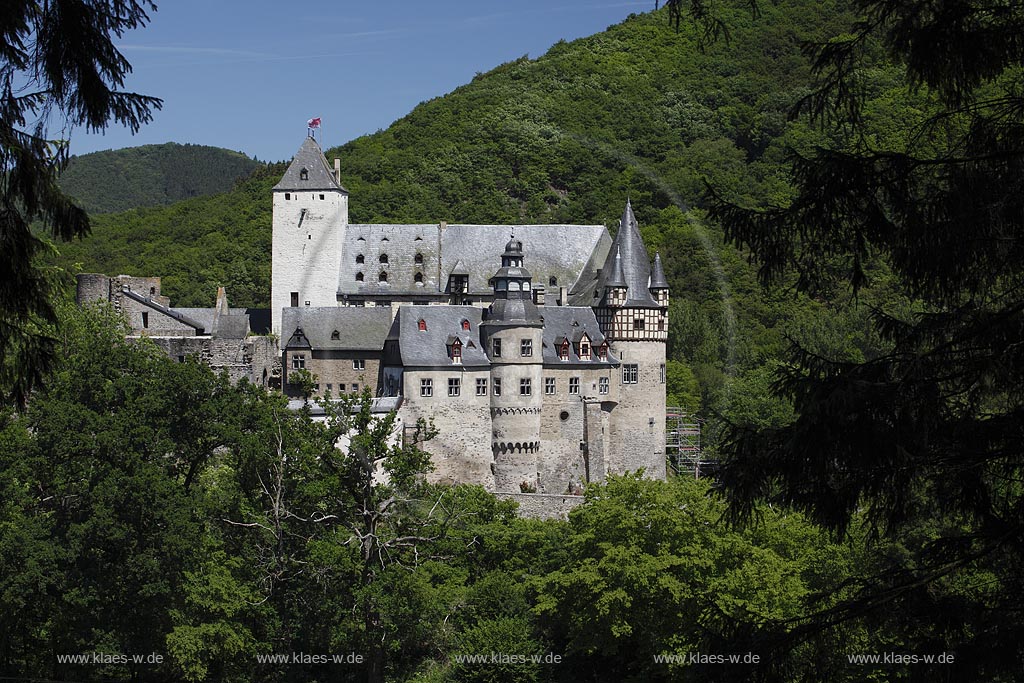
{"x": 152, "y": 175}
{"x": 640, "y": 110}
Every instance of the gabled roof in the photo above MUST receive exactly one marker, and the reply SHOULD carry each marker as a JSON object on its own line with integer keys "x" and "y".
{"x": 319, "y": 175}
{"x": 358, "y": 328}
{"x": 429, "y": 348}
{"x": 570, "y": 323}
{"x": 567, "y": 253}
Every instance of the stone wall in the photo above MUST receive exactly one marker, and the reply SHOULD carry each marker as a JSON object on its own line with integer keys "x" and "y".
{"x": 542, "y": 505}
{"x": 252, "y": 358}
{"x": 636, "y": 437}
{"x": 334, "y": 371}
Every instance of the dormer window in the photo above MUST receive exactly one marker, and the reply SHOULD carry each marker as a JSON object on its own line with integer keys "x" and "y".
{"x": 383, "y": 258}
{"x": 419, "y": 259}
{"x": 553, "y": 281}
{"x": 418, "y": 278}
{"x": 422, "y": 325}
{"x": 360, "y": 259}
{"x": 335, "y": 336}
{"x": 584, "y": 349}
{"x": 359, "y": 277}
{"x": 383, "y": 277}
{"x": 602, "y": 351}
{"x": 303, "y": 174}
{"x": 465, "y": 324}
{"x": 456, "y": 352}
{"x": 563, "y": 350}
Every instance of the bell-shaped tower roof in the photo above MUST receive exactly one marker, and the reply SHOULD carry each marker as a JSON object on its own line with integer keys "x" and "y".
{"x": 513, "y": 289}
{"x": 309, "y": 171}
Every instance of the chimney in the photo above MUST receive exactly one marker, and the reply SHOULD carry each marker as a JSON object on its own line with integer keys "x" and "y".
{"x": 337, "y": 169}
{"x": 563, "y": 296}
{"x": 538, "y": 295}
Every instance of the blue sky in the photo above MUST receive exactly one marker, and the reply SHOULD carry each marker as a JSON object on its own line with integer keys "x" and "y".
{"x": 247, "y": 75}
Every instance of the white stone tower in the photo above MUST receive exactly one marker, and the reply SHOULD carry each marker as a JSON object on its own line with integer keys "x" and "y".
{"x": 633, "y": 314}
{"x": 513, "y": 336}
{"x": 310, "y": 219}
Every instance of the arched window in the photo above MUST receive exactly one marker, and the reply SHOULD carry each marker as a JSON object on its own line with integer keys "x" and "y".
{"x": 359, "y": 277}
{"x": 419, "y": 259}
{"x": 383, "y": 277}
{"x": 360, "y": 259}
{"x": 335, "y": 336}
{"x": 502, "y": 285}
{"x": 513, "y": 285}
{"x": 419, "y": 278}
{"x": 423, "y": 325}
{"x": 552, "y": 280}
{"x": 465, "y": 324}
{"x": 304, "y": 174}
{"x": 383, "y": 258}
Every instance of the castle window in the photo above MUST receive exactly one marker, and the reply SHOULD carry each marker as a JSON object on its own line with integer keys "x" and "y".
{"x": 638, "y": 323}
{"x": 383, "y": 258}
{"x": 152, "y": 291}
{"x": 502, "y": 285}
{"x": 454, "y": 386}
{"x": 418, "y": 278}
{"x": 662, "y": 369}
{"x": 287, "y": 196}
{"x": 295, "y": 299}
{"x": 145, "y": 319}
{"x": 422, "y": 325}
{"x": 549, "y": 386}
{"x": 526, "y": 285}
{"x": 496, "y": 348}
{"x": 358, "y": 364}
{"x": 299, "y": 361}
{"x": 335, "y": 336}
{"x": 321, "y": 197}
{"x": 525, "y": 347}
{"x": 584, "y": 350}
{"x": 602, "y": 351}
{"x": 355, "y": 387}
{"x": 360, "y": 259}
{"x": 456, "y": 352}
{"x": 426, "y": 387}
{"x": 629, "y": 374}
{"x": 496, "y": 386}
{"x": 552, "y": 281}
{"x": 465, "y": 324}
{"x": 418, "y": 260}
{"x": 602, "y": 385}
{"x": 525, "y": 387}
{"x": 383, "y": 277}
{"x": 481, "y": 386}
{"x": 341, "y": 388}
{"x": 661, "y": 325}
{"x": 359, "y": 277}
{"x": 574, "y": 385}
{"x": 563, "y": 350}
{"x": 303, "y": 174}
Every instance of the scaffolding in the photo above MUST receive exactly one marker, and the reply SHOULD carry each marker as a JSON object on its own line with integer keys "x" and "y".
{"x": 682, "y": 443}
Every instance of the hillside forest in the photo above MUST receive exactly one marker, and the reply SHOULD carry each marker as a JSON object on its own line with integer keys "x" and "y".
{"x": 862, "y": 402}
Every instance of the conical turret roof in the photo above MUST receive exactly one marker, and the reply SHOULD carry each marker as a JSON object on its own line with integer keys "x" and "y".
{"x": 318, "y": 175}
{"x": 658, "y": 280}
{"x": 633, "y": 265}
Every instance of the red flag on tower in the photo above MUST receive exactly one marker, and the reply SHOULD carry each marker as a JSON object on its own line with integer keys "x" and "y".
{"x": 314, "y": 123}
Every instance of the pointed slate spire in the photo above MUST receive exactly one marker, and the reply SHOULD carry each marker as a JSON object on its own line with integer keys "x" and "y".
{"x": 617, "y": 278}
{"x": 628, "y": 247}
{"x": 658, "y": 280}
{"x": 309, "y": 171}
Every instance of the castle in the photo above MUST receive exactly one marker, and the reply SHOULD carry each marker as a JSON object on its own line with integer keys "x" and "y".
{"x": 537, "y": 351}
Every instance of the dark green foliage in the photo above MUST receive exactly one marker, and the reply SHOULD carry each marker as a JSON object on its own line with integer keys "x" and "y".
{"x": 59, "y": 60}
{"x": 151, "y": 175}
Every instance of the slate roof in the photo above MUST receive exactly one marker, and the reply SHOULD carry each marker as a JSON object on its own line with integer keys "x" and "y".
{"x": 205, "y": 316}
{"x": 429, "y": 348}
{"x": 170, "y": 312}
{"x": 359, "y": 329}
{"x": 636, "y": 265}
{"x": 319, "y": 175}
{"x": 658, "y": 280}
{"x": 569, "y": 253}
{"x": 558, "y": 324}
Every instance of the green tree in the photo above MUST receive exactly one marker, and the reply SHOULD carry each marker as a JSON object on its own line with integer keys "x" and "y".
{"x": 59, "y": 63}
{"x": 930, "y": 426}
